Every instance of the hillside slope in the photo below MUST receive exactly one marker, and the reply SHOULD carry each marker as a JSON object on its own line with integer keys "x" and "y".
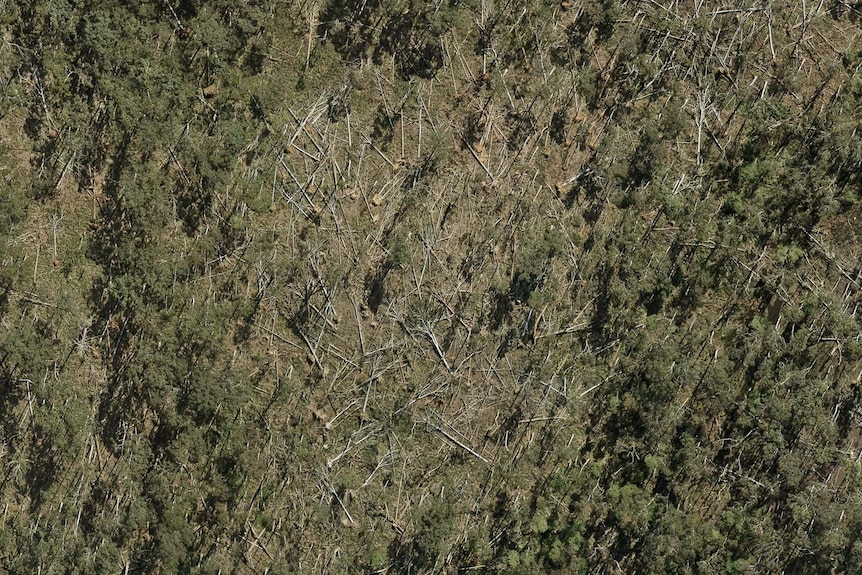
{"x": 389, "y": 286}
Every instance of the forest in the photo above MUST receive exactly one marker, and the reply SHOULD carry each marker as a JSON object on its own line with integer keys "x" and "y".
{"x": 404, "y": 287}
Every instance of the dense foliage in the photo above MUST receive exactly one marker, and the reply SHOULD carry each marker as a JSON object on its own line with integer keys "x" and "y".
{"x": 398, "y": 286}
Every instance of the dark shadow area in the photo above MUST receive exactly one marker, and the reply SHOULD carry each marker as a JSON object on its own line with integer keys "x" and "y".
{"x": 375, "y": 284}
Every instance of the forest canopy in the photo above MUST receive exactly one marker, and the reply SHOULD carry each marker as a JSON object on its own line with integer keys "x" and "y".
{"x": 390, "y": 286}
